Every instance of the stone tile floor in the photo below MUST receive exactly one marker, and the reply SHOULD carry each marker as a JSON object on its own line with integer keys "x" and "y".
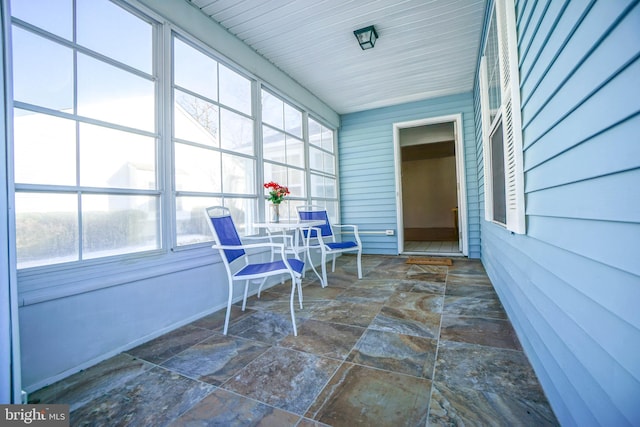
{"x": 407, "y": 345}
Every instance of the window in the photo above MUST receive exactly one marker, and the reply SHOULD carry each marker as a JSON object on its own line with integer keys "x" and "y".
{"x": 85, "y": 132}
{"x": 501, "y": 121}
{"x": 214, "y": 158}
{"x": 283, "y": 150}
{"x": 106, "y": 168}
{"x": 322, "y": 165}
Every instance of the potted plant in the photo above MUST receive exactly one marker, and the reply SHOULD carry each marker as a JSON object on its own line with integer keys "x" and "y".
{"x": 277, "y": 193}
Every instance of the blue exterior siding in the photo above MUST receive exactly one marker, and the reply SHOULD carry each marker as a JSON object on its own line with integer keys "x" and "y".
{"x": 571, "y": 284}
{"x": 367, "y": 169}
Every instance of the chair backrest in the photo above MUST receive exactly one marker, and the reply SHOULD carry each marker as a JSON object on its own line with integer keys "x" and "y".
{"x": 224, "y": 231}
{"x": 314, "y": 212}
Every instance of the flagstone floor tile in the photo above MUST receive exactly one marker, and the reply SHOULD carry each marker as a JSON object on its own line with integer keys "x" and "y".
{"x": 407, "y": 345}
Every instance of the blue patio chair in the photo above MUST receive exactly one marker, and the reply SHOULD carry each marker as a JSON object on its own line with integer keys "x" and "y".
{"x": 324, "y": 239}
{"x": 239, "y": 268}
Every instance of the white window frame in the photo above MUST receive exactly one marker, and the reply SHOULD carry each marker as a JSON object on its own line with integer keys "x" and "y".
{"x": 163, "y": 76}
{"x": 155, "y": 76}
{"x": 511, "y": 119}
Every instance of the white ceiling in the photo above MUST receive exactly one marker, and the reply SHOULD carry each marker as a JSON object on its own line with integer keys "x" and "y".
{"x": 426, "y": 48}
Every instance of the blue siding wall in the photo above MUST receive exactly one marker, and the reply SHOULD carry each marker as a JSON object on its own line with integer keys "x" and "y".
{"x": 367, "y": 168}
{"x": 571, "y": 285}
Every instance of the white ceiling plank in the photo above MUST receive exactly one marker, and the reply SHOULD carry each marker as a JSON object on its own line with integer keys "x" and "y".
{"x": 426, "y": 47}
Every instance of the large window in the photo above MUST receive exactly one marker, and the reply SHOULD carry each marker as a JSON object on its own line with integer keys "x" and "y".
{"x": 283, "y": 149}
{"x": 213, "y": 128}
{"x": 85, "y": 133}
{"x": 298, "y": 152}
{"x": 117, "y": 154}
{"x": 322, "y": 165}
{"x": 501, "y": 121}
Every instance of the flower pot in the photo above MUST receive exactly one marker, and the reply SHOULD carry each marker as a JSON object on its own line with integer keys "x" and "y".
{"x": 275, "y": 213}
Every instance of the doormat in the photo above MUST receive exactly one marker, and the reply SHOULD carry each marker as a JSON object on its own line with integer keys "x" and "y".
{"x": 430, "y": 261}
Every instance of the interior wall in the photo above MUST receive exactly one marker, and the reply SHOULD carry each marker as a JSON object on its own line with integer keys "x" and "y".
{"x": 429, "y": 192}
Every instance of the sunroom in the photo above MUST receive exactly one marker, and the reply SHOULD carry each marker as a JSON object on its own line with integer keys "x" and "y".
{"x": 497, "y": 133}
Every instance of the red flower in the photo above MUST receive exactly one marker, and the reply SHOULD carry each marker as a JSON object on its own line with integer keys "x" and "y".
{"x": 277, "y": 192}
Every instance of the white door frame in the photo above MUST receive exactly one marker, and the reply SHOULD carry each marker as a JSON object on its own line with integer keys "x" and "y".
{"x": 460, "y": 175}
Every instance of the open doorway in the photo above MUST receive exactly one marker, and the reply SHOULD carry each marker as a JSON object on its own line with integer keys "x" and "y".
{"x": 430, "y": 183}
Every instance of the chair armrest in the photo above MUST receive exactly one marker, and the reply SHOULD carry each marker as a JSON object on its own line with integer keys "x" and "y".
{"x": 354, "y": 230}
{"x": 250, "y": 246}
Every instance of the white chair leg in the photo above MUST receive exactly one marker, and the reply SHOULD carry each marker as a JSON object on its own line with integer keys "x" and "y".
{"x": 293, "y": 314}
{"x": 246, "y": 291}
{"x": 333, "y": 264}
{"x": 360, "y": 264}
{"x": 324, "y": 270}
{"x": 226, "y": 318}
{"x": 304, "y": 261}
{"x": 299, "y": 282}
{"x": 261, "y": 285}
{"x": 313, "y": 267}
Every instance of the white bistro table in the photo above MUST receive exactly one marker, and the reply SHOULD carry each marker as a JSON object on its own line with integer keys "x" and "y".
{"x": 286, "y": 226}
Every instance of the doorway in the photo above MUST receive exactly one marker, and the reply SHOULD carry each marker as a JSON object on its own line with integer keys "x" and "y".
{"x": 431, "y": 195}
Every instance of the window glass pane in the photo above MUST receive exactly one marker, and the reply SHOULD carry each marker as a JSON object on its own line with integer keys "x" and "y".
{"x": 194, "y": 70}
{"x": 113, "y": 95}
{"x": 327, "y": 139}
{"x": 235, "y": 90}
{"x": 129, "y": 41}
{"x": 275, "y": 173}
{"x": 330, "y": 188}
{"x": 46, "y": 228}
{"x": 332, "y": 211}
{"x": 315, "y": 133}
{"x": 289, "y": 211}
{"x": 272, "y": 110}
{"x": 197, "y": 169}
{"x": 119, "y": 224}
{"x": 293, "y": 120}
{"x": 315, "y": 158}
{"x": 273, "y": 145}
{"x": 195, "y": 119}
{"x": 112, "y": 158}
{"x": 236, "y": 132}
{"x": 191, "y": 222}
{"x": 295, "y": 152}
{"x": 329, "y": 163}
{"x": 317, "y": 186}
{"x": 323, "y": 187}
{"x": 238, "y": 174}
{"x": 321, "y": 160}
{"x": 296, "y": 183}
{"x": 243, "y": 212}
{"x": 54, "y": 16}
{"x": 44, "y": 149}
{"x": 31, "y": 56}
{"x": 493, "y": 70}
{"x": 498, "y": 176}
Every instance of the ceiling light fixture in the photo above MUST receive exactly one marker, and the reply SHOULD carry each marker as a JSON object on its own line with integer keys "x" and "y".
{"x": 366, "y": 36}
